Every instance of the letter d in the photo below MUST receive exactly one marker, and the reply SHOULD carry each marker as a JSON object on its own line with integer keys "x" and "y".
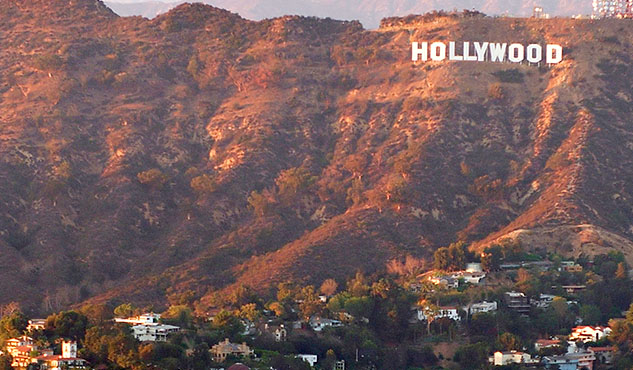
{"x": 554, "y": 54}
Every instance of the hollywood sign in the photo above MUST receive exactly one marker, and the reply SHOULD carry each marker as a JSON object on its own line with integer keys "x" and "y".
{"x": 487, "y": 51}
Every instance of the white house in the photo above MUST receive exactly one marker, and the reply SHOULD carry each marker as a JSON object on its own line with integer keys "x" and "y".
{"x": 153, "y": 333}
{"x": 511, "y": 357}
{"x": 144, "y": 319}
{"x": 589, "y": 333}
{"x": 310, "y": 359}
{"x": 470, "y": 277}
{"x": 481, "y": 307}
{"x": 544, "y": 300}
{"x": 444, "y": 311}
{"x": 36, "y": 324}
{"x": 319, "y": 323}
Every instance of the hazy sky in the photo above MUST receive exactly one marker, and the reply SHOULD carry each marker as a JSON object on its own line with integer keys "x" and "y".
{"x": 369, "y": 12}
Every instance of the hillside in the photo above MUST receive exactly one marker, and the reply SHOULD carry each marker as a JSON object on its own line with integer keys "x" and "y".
{"x": 201, "y": 151}
{"x": 368, "y": 12}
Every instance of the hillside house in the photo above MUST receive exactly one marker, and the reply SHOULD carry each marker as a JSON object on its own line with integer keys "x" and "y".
{"x": 517, "y": 301}
{"x": 144, "y": 319}
{"x": 510, "y": 357}
{"x": 469, "y": 277}
{"x": 481, "y": 307}
{"x": 589, "y": 333}
{"x": 442, "y": 312}
{"x": 571, "y": 361}
{"x": 36, "y": 324}
{"x": 220, "y": 351}
{"x": 310, "y": 359}
{"x": 546, "y": 343}
{"x": 604, "y": 355}
{"x": 153, "y": 333}
{"x": 67, "y": 360}
{"x": 319, "y": 323}
{"x": 278, "y": 332}
{"x": 446, "y": 280}
{"x": 544, "y": 301}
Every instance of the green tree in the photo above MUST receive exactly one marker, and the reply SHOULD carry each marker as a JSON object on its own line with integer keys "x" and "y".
{"x": 13, "y": 325}
{"x": 472, "y": 356}
{"x": 509, "y": 342}
{"x": 125, "y": 310}
{"x": 153, "y": 178}
{"x": 590, "y": 314}
{"x": 203, "y": 184}
{"x": 67, "y": 324}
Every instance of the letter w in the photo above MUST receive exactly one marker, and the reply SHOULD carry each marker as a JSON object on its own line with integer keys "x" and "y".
{"x": 497, "y": 52}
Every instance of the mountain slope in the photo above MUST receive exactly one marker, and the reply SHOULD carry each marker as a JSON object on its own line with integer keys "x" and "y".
{"x": 202, "y": 151}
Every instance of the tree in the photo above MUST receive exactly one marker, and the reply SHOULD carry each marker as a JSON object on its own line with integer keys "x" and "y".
{"x": 5, "y": 362}
{"x": 590, "y": 314}
{"x": 153, "y": 178}
{"x": 329, "y": 287}
{"x": 124, "y": 310}
{"x": 67, "y": 324}
{"x": 442, "y": 259}
{"x": 291, "y": 182}
{"x": 559, "y": 305}
{"x": 357, "y": 286}
{"x": 202, "y": 184}
{"x": 249, "y": 311}
{"x": 491, "y": 258}
{"x": 509, "y": 342}
{"x": 12, "y": 325}
{"x": 451, "y": 258}
{"x": 472, "y": 356}
{"x": 261, "y": 203}
{"x": 310, "y": 303}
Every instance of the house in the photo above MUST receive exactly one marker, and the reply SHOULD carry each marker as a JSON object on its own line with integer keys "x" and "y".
{"x": 546, "y": 343}
{"x": 249, "y": 327}
{"x": 443, "y": 311}
{"x": 220, "y": 351}
{"x": 448, "y": 281}
{"x": 560, "y": 362}
{"x": 67, "y": 360}
{"x": 604, "y": 355}
{"x": 153, "y": 333}
{"x": 572, "y": 289}
{"x": 469, "y": 277}
{"x": 589, "y": 333}
{"x": 573, "y": 268}
{"x": 310, "y": 359}
{"x": 570, "y": 361}
{"x": 279, "y": 332}
{"x": 36, "y": 324}
{"x": 481, "y": 307}
{"x": 511, "y": 357}
{"x": 144, "y": 319}
{"x": 544, "y": 300}
{"x": 20, "y": 349}
{"x": 517, "y": 301}
{"x": 319, "y": 323}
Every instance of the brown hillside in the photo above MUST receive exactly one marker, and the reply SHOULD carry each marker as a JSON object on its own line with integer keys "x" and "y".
{"x": 199, "y": 150}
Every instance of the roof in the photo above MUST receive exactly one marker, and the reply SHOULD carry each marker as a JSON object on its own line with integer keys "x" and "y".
{"x": 239, "y": 366}
{"x": 548, "y": 341}
{"x": 601, "y": 349}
